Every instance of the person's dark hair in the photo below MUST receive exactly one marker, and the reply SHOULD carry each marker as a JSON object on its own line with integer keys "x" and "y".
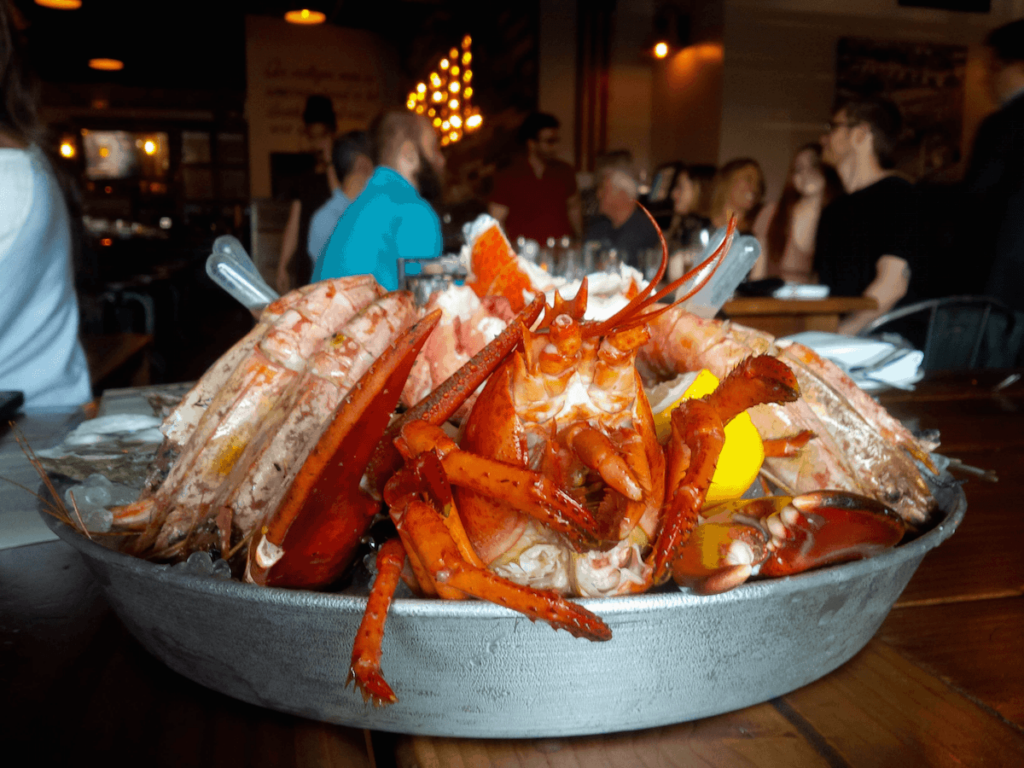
{"x": 882, "y": 117}
{"x": 319, "y": 109}
{"x": 778, "y": 227}
{"x": 703, "y": 177}
{"x": 534, "y": 124}
{"x": 1007, "y": 41}
{"x": 17, "y": 99}
{"x": 390, "y": 129}
{"x": 346, "y": 149}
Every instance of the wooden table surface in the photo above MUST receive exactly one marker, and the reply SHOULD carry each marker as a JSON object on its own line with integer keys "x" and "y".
{"x": 783, "y": 317}
{"x": 942, "y": 682}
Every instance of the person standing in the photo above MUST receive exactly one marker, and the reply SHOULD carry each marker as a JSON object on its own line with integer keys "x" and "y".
{"x": 392, "y": 219}
{"x": 353, "y": 168}
{"x": 536, "y": 197}
{"x": 40, "y": 354}
{"x": 865, "y": 244}
{"x": 307, "y": 193}
{"x": 994, "y": 180}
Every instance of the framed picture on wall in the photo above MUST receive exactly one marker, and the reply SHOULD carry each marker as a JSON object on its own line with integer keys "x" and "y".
{"x": 926, "y": 81}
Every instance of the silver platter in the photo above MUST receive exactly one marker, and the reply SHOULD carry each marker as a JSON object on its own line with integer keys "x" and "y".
{"x": 472, "y": 669}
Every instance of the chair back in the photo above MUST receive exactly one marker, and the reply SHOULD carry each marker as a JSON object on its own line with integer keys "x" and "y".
{"x": 958, "y": 332}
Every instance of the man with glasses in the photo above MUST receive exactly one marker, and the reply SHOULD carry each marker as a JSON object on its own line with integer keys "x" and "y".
{"x": 995, "y": 174}
{"x": 536, "y": 197}
{"x": 866, "y": 240}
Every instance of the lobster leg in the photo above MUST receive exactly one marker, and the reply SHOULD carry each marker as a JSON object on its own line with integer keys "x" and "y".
{"x": 524, "y": 489}
{"x": 698, "y": 435}
{"x": 439, "y": 554}
{"x": 365, "y": 670}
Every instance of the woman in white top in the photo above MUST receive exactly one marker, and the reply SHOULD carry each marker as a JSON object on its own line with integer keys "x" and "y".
{"x": 40, "y": 353}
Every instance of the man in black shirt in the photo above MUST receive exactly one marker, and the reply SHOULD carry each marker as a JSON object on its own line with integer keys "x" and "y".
{"x": 995, "y": 175}
{"x": 865, "y": 241}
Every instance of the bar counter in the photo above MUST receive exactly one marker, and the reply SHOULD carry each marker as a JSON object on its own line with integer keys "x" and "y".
{"x": 940, "y": 684}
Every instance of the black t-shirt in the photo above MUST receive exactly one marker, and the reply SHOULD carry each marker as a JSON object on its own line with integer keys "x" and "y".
{"x": 856, "y": 230}
{"x": 635, "y": 236}
{"x": 311, "y": 190}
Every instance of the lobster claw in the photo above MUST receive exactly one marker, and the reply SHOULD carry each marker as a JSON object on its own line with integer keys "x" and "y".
{"x": 827, "y": 527}
{"x": 782, "y": 535}
{"x": 724, "y": 549}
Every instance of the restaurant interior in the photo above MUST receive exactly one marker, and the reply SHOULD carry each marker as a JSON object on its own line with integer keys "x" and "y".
{"x": 211, "y": 95}
{"x": 179, "y": 123}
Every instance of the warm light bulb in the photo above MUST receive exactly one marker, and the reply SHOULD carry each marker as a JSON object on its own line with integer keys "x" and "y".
{"x": 435, "y": 80}
{"x": 456, "y": 121}
{"x": 444, "y": 141}
{"x": 106, "y": 65}
{"x": 61, "y": 5}
{"x": 104, "y": 152}
{"x": 431, "y": 111}
{"x": 305, "y": 16}
{"x": 454, "y": 135}
{"x": 455, "y": 71}
{"x": 467, "y": 75}
{"x": 437, "y": 122}
{"x": 444, "y": 63}
{"x": 67, "y": 149}
{"x": 453, "y": 86}
{"x": 149, "y": 147}
{"x": 468, "y": 93}
{"x": 420, "y": 110}
{"x": 453, "y": 104}
{"x": 474, "y": 121}
{"x": 661, "y": 50}
{"x": 436, "y": 96}
{"x": 421, "y": 87}
{"x": 467, "y": 41}
{"x": 446, "y": 125}
{"x": 410, "y": 104}
{"x": 467, "y": 57}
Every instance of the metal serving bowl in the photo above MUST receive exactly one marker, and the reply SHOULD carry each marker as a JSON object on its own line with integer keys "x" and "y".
{"x": 473, "y": 669}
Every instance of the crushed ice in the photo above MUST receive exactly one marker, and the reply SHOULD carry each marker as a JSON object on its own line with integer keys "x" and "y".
{"x": 94, "y": 498}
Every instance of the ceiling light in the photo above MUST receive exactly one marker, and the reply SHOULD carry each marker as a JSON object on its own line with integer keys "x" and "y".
{"x": 305, "y": 16}
{"x": 106, "y": 65}
{"x": 61, "y": 5}
{"x": 661, "y": 49}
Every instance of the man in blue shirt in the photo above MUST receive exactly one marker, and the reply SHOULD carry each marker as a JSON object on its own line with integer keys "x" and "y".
{"x": 391, "y": 219}
{"x": 350, "y": 157}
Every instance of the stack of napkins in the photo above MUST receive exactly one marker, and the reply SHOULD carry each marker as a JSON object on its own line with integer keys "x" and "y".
{"x": 872, "y": 363}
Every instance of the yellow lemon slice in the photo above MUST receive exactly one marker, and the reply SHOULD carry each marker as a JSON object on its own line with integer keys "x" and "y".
{"x": 742, "y": 453}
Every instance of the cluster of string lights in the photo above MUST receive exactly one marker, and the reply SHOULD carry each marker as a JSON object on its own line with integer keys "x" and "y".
{"x": 446, "y": 97}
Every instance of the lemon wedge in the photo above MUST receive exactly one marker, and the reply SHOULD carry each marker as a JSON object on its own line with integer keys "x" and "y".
{"x": 742, "y": 453}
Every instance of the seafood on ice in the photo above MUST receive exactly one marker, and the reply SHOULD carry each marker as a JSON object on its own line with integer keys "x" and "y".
{"x": 563, "y": 479}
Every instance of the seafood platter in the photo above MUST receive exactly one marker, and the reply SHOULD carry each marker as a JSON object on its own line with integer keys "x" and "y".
{"x": 403, "y": 502}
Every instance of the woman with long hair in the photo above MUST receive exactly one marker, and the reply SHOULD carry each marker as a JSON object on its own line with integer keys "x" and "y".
{"x": 691, "y": 201}
{"x": 40, "y": 354}
{"x": 789, "y": 237}
{"x": 738, "y": 189}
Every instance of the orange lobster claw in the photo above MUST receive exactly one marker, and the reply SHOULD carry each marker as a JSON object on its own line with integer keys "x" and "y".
{"x": 313, "y": 535}
{"x": 827, "y": 527}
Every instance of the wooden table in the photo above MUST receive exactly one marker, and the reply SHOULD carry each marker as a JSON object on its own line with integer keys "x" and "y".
{"x": 942, "y": 682}
{"x": 782, "y": 317}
